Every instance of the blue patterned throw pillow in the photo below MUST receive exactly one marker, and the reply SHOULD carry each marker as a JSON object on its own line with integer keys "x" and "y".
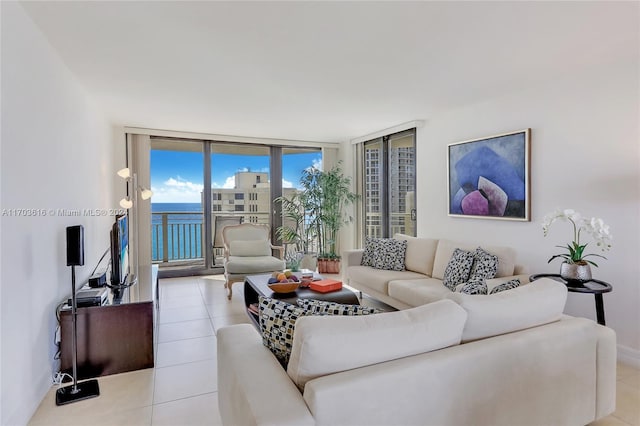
{"x": 458, "y": 269}
{"x": 390, "y": 254}
{"x": 485, "y": 264}
{"x": 474, "y": 286}
{"x": 370, "y": 247}
{"x": 506, "y": 286}
{"x": 384, "y": 253}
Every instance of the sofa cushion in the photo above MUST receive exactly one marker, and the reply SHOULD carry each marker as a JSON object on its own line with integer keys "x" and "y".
{"x": 248, "y": 265}
{"x": 325, "y": 345}
{"x": 323, "y": 307}
{"x": 415, "y": 292}
{"x": 249, "y": 248}
{"x": 378, "y": 279}
{"x": 458, "y": 269}
{"x": 420, "y": 253}
{"x": 278, "y": 319}
{"x": 536, "y": 303}
{"x": 509, "y": 285}
{"x": 506, "y": 257}
{"x": 485, "y": 265}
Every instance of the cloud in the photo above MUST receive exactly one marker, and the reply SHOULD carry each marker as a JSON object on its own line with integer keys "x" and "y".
{"x": 230, "y": 183}
{"x": 286, "y": 184}
{"x": 177, "y": 190}
{"x": 317, "y": 163}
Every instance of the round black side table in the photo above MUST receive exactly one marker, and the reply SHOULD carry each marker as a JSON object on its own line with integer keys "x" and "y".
{"x": 595, "y": 287}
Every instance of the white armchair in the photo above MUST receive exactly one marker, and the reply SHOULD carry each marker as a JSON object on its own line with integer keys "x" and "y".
{"x": 248, "y": 251}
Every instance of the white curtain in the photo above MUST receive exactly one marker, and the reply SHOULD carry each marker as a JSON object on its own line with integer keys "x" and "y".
{"x": 139, "y": 149}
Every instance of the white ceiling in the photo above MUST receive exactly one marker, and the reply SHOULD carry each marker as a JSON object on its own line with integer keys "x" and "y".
{"x": 323, "y": 71}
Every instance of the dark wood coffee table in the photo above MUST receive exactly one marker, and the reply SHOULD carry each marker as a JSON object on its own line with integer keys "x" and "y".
{"x": 256, "y": 285}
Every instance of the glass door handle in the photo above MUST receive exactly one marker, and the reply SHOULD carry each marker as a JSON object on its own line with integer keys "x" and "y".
{"x": 414, "y": 215}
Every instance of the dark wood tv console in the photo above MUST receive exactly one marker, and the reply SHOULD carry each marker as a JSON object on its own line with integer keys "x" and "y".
{"x": 113, "y": 338}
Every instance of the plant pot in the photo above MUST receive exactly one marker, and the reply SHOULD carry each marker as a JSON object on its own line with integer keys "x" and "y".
{"x": 575, "y": 271}
{"x": 329, "y": 266}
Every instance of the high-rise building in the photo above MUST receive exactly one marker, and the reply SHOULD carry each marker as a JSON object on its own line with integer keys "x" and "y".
{"x": 401, "y": 189}
{"x": 250, "y": 197}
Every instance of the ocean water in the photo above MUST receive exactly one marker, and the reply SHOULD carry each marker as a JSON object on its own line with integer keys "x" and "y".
{"x": 183, "y": 224}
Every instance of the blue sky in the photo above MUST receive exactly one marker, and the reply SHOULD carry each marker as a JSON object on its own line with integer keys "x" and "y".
{"x": 176, "y": 177}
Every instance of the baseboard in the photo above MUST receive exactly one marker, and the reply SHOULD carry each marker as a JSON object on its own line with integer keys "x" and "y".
{"x": 629, "y": 356}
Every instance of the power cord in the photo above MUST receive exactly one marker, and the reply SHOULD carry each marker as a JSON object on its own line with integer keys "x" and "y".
{"x": 100, "y": 261}
{"x": 58, "y": 378}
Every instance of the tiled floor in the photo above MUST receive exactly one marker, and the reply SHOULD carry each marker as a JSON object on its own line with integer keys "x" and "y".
{"x": 182, "y": 388}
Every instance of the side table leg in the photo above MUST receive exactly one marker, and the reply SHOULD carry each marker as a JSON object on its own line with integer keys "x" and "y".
{"x": 599, "y": 309}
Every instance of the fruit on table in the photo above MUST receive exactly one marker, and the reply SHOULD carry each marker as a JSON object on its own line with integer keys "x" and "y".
{"x": 283, "y": 277}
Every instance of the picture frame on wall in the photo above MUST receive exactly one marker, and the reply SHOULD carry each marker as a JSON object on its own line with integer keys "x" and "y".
{"x": 489, "y": 178}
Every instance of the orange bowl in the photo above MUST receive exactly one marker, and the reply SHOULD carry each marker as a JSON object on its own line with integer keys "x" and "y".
{"x": 283, "y": 287}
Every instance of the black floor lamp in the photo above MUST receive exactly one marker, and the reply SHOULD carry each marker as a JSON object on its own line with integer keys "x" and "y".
{"x": 88, "y": 388}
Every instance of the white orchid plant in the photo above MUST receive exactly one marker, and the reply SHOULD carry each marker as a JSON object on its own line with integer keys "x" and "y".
{"x": 594, "y": 227}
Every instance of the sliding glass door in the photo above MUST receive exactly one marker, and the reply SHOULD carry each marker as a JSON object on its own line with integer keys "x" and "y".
{"x": 240, "y": 188}
{"x": 388, "y": 171}
{"x": 201, "y": 186}
{"x": 177, "y": 182}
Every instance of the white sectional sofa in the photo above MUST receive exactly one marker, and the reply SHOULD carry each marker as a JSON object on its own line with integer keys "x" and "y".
{"x": 510, "y": 358}
{"x": 425, "y": 261}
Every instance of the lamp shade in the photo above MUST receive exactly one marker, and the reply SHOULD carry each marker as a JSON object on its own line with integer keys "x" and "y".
{"x": 126, "y": 203}
{"x": 145, "y": 193}
{"x": 124, "y": 173}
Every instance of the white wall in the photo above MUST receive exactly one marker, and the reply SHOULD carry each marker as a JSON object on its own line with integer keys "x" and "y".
{"x": 56, "y": 154}
{"x": 585, "y": 155}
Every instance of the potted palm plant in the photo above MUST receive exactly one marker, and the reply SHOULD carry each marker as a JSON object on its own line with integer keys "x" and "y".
{"x": 317, "y": 213}
{"x": 333, "y": 195}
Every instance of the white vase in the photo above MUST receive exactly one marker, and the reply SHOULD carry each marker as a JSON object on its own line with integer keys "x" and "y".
{"x": 575, "y": 271}
{"x": 309, "y": 261}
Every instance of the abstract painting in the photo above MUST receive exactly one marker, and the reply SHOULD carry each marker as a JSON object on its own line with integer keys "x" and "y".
{"x": 489, "y": 177}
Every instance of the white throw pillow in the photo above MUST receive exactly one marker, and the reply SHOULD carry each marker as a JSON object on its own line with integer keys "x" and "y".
{"x": 536, "y": 303}
{"x": 325, "y": 345}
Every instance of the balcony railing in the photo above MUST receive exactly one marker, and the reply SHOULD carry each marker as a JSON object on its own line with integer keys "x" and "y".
{"x": 177, "y": 237}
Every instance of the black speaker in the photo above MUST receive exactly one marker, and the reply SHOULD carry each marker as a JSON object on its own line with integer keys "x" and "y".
{"x": 75, "y": 245}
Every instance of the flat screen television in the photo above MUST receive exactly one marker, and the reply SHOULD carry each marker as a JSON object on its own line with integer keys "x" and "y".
{"x": 120, "y": 251}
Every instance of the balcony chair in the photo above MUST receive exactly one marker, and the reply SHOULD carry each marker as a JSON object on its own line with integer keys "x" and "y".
{"x": 219, "y": 224}
{"x": 248, "y": 251}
